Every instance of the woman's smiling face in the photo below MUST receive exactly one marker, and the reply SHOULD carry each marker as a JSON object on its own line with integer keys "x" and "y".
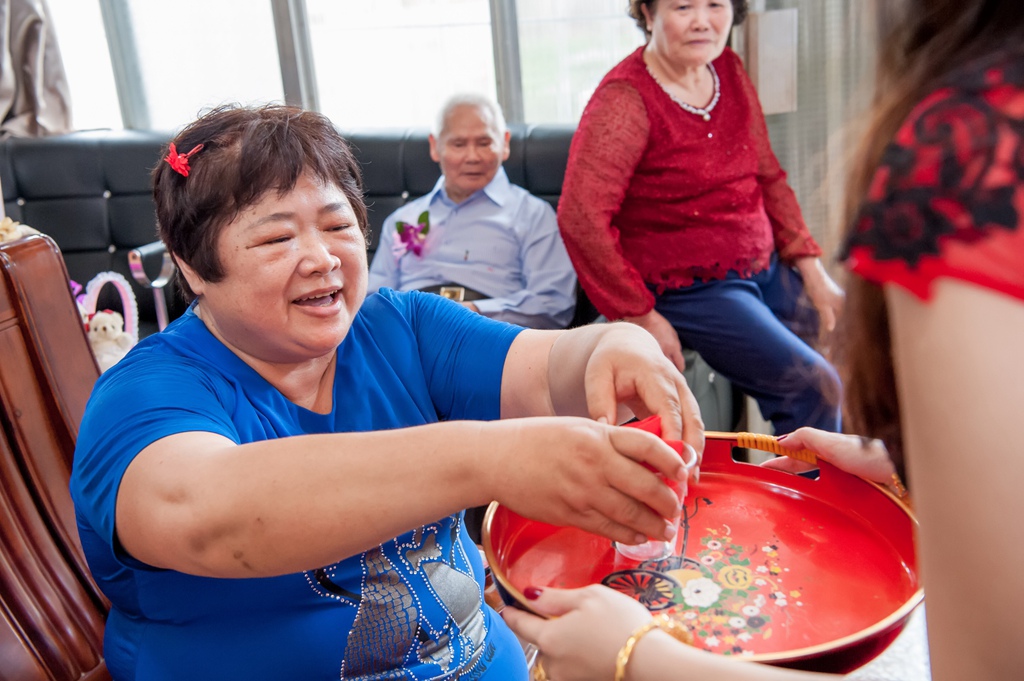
{"x": 294, "y": 275}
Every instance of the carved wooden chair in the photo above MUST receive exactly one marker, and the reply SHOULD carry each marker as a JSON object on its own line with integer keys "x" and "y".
{"x": 51, "y": 612}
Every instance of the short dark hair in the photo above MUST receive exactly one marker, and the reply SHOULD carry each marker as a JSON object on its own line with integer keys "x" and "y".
{"x": 246, "y": 152}
{"x": 739, "y": 12}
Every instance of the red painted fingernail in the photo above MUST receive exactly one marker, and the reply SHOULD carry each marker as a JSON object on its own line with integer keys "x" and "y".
{"x": 532, "y": 593}
{"x": 782, "y": 437}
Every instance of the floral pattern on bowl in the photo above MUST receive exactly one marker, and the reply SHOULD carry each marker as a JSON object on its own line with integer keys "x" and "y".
{"x": 728, "y": 595}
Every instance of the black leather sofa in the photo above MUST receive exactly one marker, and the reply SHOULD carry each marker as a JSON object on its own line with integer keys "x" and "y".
{"x": 90, "y": 192}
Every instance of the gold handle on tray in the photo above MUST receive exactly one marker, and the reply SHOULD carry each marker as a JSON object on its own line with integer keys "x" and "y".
{"x": 770, "y": 443}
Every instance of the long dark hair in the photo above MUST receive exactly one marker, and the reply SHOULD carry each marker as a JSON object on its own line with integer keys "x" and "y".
{"x": 923, "y": 42}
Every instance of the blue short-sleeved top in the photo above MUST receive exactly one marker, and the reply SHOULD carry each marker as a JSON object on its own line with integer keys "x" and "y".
{"x": 410, "y": 608}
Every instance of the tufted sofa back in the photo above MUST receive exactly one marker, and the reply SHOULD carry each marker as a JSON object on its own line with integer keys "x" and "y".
{"x": 90, "y": 191}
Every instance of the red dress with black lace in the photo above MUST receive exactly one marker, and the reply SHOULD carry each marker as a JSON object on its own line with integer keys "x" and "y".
{"x": 948, "y": 197}
{"x": 656, "y": 195}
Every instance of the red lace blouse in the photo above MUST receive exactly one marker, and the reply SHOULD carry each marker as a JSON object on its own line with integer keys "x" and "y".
{"x": 948, "y": 197}
{"x": 654, "y": 194}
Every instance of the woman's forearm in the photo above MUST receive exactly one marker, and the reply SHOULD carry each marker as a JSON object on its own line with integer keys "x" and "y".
{"x": 200, "y": 504}
{"x": 606, "y": 149}
{"x": 545, "y": 371}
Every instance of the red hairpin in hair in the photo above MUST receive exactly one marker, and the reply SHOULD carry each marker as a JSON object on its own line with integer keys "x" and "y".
{"x": 179, "y": 162}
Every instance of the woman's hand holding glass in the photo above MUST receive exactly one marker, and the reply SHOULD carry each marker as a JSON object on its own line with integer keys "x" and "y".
{"x": 588, "y": 472}
{"x": 574, "y": 471}
{"x": 627, "y": 366}
{"x": 638, "y": 373}
{"x": 659, "y": 549}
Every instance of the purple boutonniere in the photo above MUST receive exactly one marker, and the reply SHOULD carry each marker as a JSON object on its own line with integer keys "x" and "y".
{"x": 411, "y": 237}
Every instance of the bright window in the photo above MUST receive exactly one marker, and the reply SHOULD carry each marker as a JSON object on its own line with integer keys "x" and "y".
{"x": 83, "y": 48}
{"x": 196, "y": 54}
{"x": 565, "y": 49}
{"x": 381, "y": 63}
{"x": 394, "y": 62}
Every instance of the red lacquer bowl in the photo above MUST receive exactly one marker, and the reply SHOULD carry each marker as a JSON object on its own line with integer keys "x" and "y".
{"x": 770, "y": 566}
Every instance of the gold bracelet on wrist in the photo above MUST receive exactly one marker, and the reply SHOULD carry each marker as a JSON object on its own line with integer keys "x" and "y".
{"x": 672, "y": 627}
{"x": 897, "y": 486}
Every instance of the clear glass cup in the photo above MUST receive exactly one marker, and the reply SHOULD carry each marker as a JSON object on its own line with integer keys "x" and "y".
{"x": 659, "y": 549}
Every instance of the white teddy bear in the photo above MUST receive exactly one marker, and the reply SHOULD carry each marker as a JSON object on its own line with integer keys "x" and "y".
{"x": 108, "y": 339}
{"x": 11, "y": 230}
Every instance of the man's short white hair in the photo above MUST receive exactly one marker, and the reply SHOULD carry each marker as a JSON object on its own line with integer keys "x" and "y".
{"x": 479, "y": 102}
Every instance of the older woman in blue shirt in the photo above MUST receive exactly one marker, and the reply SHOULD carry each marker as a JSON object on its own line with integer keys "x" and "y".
{"x": 272, "y": 487}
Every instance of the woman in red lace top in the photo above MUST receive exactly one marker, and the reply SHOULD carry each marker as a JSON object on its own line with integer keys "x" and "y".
{"x": 934, "y": 329}
{"x": 678, "y": 217}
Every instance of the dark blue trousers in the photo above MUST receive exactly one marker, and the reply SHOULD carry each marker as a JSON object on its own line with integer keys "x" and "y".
{"x": 749, "y": 330}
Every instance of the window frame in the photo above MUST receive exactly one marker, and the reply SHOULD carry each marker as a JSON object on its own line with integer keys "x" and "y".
{"x": 295, "y": 56}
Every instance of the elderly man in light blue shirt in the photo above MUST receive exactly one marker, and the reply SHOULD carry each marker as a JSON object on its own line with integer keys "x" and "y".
{"x": 490, "y": 244}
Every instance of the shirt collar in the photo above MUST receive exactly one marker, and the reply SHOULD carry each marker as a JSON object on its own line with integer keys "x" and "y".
{"x": 497, "y": 190}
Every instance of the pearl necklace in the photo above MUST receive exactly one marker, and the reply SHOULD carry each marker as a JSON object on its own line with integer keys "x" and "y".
{"x": 704, "y": 113}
